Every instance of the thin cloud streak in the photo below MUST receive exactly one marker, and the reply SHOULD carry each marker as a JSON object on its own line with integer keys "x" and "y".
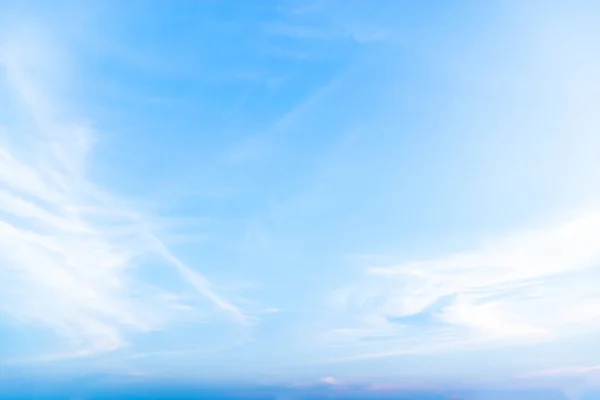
{"x": 566, "y": 371}
{"x": 69, "y": 249}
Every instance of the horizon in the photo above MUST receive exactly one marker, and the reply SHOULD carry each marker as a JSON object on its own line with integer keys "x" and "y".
{"x": 301, "y": 198}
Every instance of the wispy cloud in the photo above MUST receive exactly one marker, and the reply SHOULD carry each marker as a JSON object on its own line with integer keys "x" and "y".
{"x": 331, "y": 381}
{"x": 574, "y": 381}
{"x": 529, "y": 286}
{"x": 69, "y": 250}
{"x": 566, "y": 371}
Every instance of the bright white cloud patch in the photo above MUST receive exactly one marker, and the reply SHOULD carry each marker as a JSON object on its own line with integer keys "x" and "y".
{"x": 529, "y": 286}
{"x": 67, "y": 247}
{"x": 331, "y": 381}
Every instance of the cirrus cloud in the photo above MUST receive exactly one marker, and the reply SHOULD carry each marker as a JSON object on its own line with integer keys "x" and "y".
{"x": 529, "y": 286}
{"x": 69, "y": 249}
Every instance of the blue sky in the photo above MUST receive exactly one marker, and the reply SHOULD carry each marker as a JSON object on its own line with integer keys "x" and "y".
{"x": 290, "y": 192}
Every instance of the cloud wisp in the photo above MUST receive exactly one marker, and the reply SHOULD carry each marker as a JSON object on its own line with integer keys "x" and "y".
{"x": 69, "y": 250}
{"x": 566, "y": 371}
{"x": 530, "y": 286}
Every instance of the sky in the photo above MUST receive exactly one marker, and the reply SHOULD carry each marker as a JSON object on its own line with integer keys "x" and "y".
{"x": 322, "y": 192}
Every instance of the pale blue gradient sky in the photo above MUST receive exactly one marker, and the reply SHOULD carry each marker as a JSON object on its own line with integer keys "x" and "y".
{"x": 288, "y": 191}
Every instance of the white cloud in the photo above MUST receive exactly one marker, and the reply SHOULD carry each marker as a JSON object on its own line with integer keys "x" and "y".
{"x": 574, "y": 381}
{"x": 67, "y": 247}
{"x": 566, "y": 371}
{"x": 531, "y": 285}
{"x": 528, "y": 286}
{"x": 331, "y": 381}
